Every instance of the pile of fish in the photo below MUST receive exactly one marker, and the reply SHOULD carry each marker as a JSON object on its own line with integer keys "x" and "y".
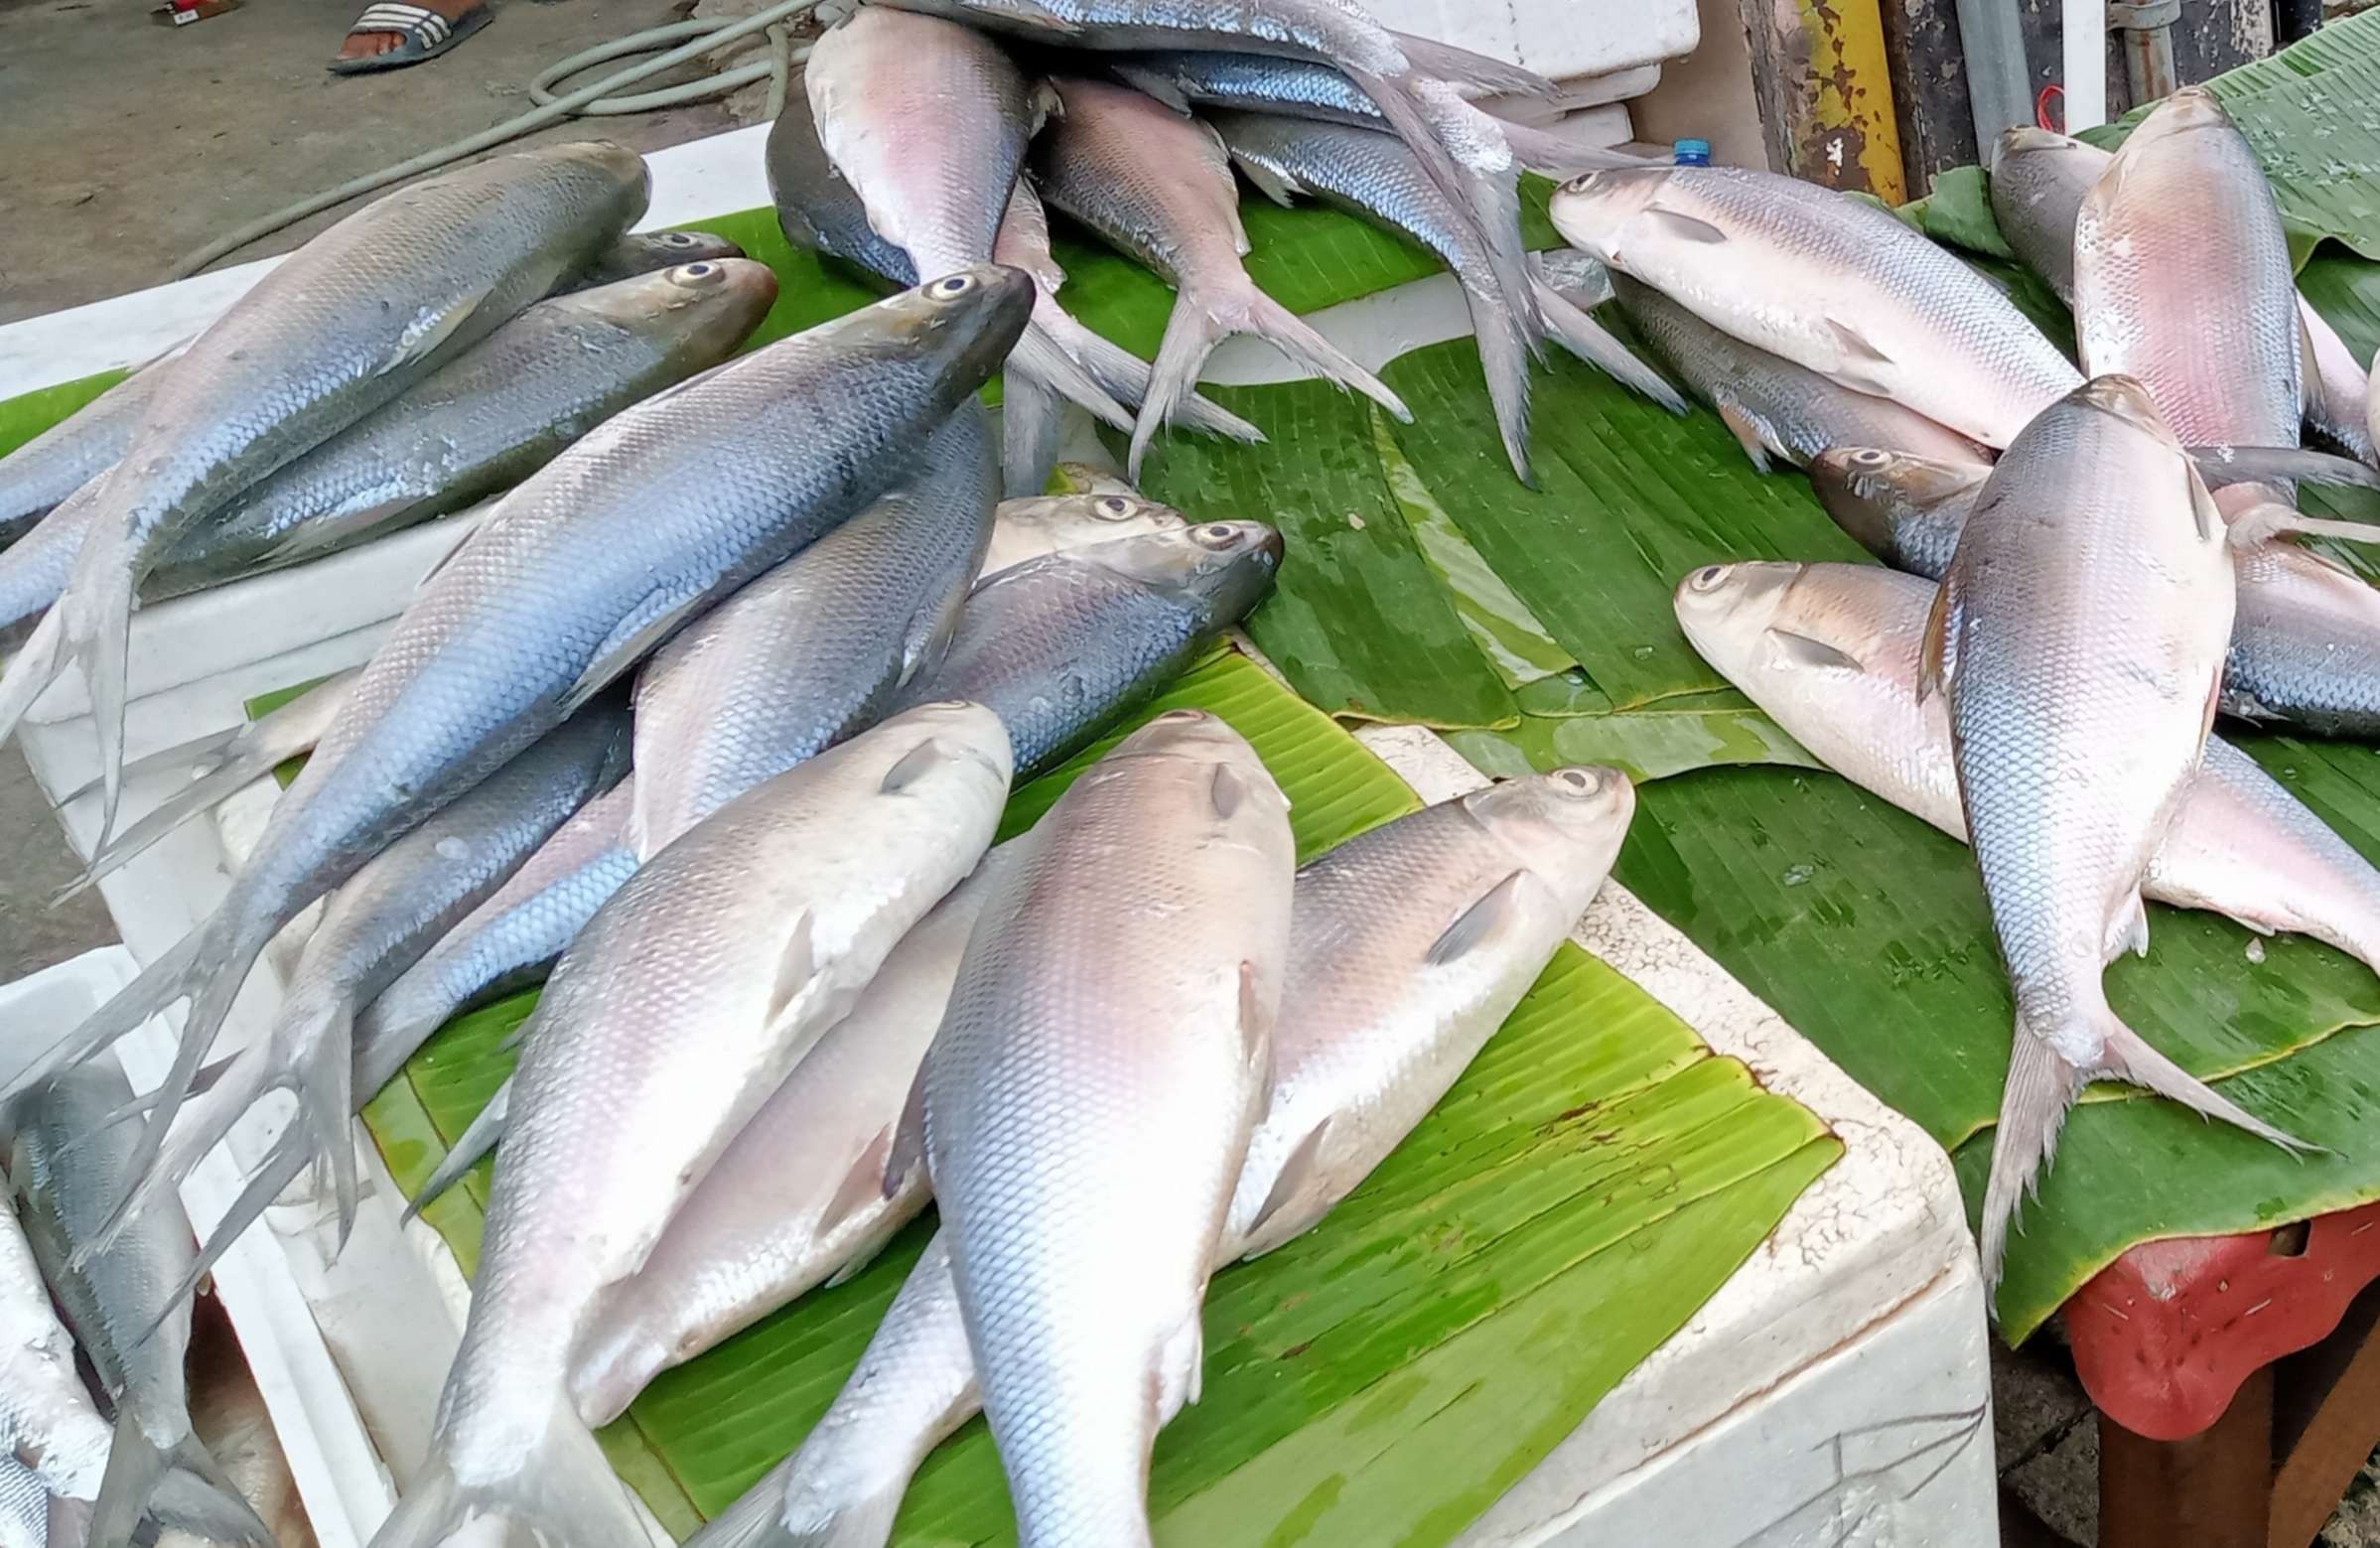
{"x": 2101, "y": 558}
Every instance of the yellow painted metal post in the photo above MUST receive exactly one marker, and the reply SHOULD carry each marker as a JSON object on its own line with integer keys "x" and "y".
{"x": 1819, "y": 69}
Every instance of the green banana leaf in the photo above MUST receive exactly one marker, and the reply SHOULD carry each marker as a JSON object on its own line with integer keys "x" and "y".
{"x": 1598, "y": 1168}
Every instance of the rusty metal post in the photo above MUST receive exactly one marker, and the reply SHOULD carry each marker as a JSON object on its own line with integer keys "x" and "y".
{"x": 1825, "y": 92}
{"x": 2148, "y": 47}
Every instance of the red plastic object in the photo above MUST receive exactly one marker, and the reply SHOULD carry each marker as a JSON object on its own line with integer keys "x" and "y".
{"x": 2164, "y": 1336}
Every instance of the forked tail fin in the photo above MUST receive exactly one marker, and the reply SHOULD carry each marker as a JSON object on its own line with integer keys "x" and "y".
{"x": 561, "y": 1488}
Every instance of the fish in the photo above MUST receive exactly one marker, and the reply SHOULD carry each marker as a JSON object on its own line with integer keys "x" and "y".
{"x": 1774, "y": 407}
{"x": 341, "y": 326}
{"x": 1844, "y": 289}
{"x": 2037, "y": 184}
{"x": 38, "y": 475}
{"x": 1159, "y": 187}
{"x": 820, "y": 209}
{"x": 46, "y": 1417}
{"x": 2079, "y": 659}
{"x": 2304, "y": 631}
{"x": 1830, "y": 652}
{"x": 2182, "y": 281}
{"x": 70, "y": 1163}
{"x": 1088, "y": 1102}
{"x": 568, "y": 584}
{"x": 1375, "y": 177}
{"x": 512, "y": 938}
{"x": 373, "y": 926}
{"x": 643, "y": 252}
{"x": 1061, "y": 645}
{"x": 479, "y": 424}
{"x": 804, "y": 1194}
{"x": 668, "y": 1024}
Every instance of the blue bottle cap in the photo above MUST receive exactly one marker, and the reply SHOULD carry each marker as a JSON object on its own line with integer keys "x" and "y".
{"x": 1693, "y": 153}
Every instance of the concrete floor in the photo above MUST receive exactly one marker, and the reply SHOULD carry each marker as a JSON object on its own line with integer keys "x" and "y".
{"x": 125, "y": 144}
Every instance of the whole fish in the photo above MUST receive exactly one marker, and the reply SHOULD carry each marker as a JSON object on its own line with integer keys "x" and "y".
{"x": 69, "y": 1161}
{"x": 1089, "y": 1101}
{"x": 2182, "y": 281}
{"x": 2037, "y": 184}
{"x": 819, "y": 207}
{"x": 340, "y": 327}
{"x": 1409, "y": 946}
{"x": 1836, "y": 286}
{"x": 372, "y": 928}
{"x": 1159, "y": 187}
{"x": 1831, "y": 651}
{"x": 488, "y": 418}
{"x": 2079, "y": 644}
{"x": 1059, "y": 647}
{"x": 512, "y": 938}
{"x": 2305, "y": 632}
{"x": 807, "y": 1192}
{"x": 668, "y": 1024}
{"x": 641, "y": 252}
{"x": 568, "y": 585}
{"x": 1375, "y": 177}
{"x": 1774, "y": 407}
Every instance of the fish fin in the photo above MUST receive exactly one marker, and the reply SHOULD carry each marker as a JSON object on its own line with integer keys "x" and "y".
{"x": 1173, "y": 1385}
{"x": 1043, "y": 359}
{"x": 909, "y": 1136}
{"x": 660, "y": 615}
{"x": 2269, "y": 520}
{"x": 1505, "y": 353}
{"x": 869, "y": 1249}
{"x": 1294, "y": 337}
{"x": 2223, "y": 466}
{"x": 1227, "y": 790}
{"x": 479, "y": 1138}
{"x": 2129, "y": 929}
{"x": 2130, "y": 1057}
{"x": 463, "y": 541}
{"x": 1591, "y": 342}
{"x": 2041, "y": 1087}
{"x": 1935, "y": 652}
{"x": 1255, "y": 1024}
{"x": 200, "y": 756}
{"x": 1461, "y": 67}
{"x": 757, "y": 1520}
{"x": 1747, "y": 431}
{"x": 1493, "y": 199}
{"x": 1482, "y": 921}
{"x": 1863, "y": 364}
{"x": 38, "y": 663}
{"x": 159, "y": 985}
{"x": 1679, "y": 226}
{"x": 796, "y": 967}
{"x": 1153, "y": 82}
{"x": 282, "y": 1166}
{"x": 2311, "y": 404}
{"x": 1124, "y": 377}
{"x": 1553, "y": 156}
{"x": 865, "y": 1183}
{"x": 1803, "y": 650}
{"x": 1032, "y": 419}
{"x": 414, "y": 347}
{"x": 916, "y": 764}
{"x": 1274, "y": 183}
{"x": 1400, "y": 103}
{"x": 201, "y": 794}
{"x": 327, "y": 1105}
{"x": 202, "y": 1499}
{"x": 163, "y": 1161}
{"x": 561, "y": 1486}
{"x": 135, "y": 1466}
{"x": 1293, "y": 1175}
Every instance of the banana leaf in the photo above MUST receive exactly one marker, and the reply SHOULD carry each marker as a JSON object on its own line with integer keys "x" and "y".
{"x": 1594, "y": 1178}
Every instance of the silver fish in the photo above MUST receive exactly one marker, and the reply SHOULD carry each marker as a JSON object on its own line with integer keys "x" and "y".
{"x": 1831, "y": 651}
{"x": 2182, "y": 280}
{"x": 338, "y": 327}
{"x": 372, "y": 928}
{"x": 1159, "y": 187}
{"x": 46, "y": 1416}
{"x": 1836, "y": 286}
{"x": 1089, "y": 1101}
{"x": 1051, "y": 523}
{"x": 1061, "y": 645}
{"x": 643, "y": 252}
{"x": 1409, "y": 946}
{"x": 666, "y": 1026}
{"x": 2078, "y": 642}
{"x": 2305, "y": 632}
{"x": 568, "y": 584}
{"x": 2037, "y": 184}
{"x": 38, "y": 475}
{"x": 1774, "y": 407}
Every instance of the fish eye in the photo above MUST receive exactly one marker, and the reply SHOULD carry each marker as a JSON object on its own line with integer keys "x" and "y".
{"x": 1115, "y": 508}
{"x": 1218, "y": 534}
{"x": 698, "y": 273}
{"x": 1580, "y": 781}
{"x": 1708, "y": 577}
{"x": 679, "y": 238}
{"x": 1870, "y": 456}
{"x": 1179, "y": 718}
{"x": 950, "y": 286}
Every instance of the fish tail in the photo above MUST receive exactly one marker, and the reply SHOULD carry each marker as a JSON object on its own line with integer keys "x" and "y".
{"x": 757, "y": 1520}
{"x": 2041, "y": 1086}
{"x": 1474, "y": 73}
{"x": 199, "y": 756}
{"x": 1399, "y": 102}
{"x": 2130, "y": 1057}
{"x": 1259, "y": 314}
{"x": 1551, "y": 155}
{"x": 164, "y": 1166}
{"x": 1124, "y": 375}
{"x": 2224, "y": 465}
{"x": 207, "y": 790}
{"x": 202, "y": 1499}
{"x": 1504, "y": 357}
{"x": 99, "y": 633}
{"x": 168, "y": 979}
{"x": 2269, "y": 520}
{"x": 1494, "y": 199}
{"x": 326, "y": 1107}
{"x": 282, "y": 1166}
{"x": 136, "y": 1464}
{"x": 35, "y": 667}
{"x": 862, "y": 1521}
{"x": 1588, "y": 339}
{"x": 1032, "y": 416}
{"x": 476, "y": 1139}
{"x": 1039, "y": 356}
{"x": 560, "y": 1486}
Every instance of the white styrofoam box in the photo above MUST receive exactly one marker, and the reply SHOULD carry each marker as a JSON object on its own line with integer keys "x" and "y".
{"x": 1810, "y": 1339}
{"x": 1558, "y": 39}
{"x": 1619, "y": 86}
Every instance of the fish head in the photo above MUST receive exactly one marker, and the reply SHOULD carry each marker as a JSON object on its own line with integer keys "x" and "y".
{"x": 1221, "y": 568}
{"x": 2125, "y": 398}
{"x": 1725, "y": 607}
{"x": 1198, "y": 736}
{"x": 613, "y": 164}
{"x": 711, "y": 305}
{"x": 1870, "y": 490}
{"x": 1769, "y": 628}
{"x": 1052, "y": 523}
{"x": 674, "y": 247}
{"x": 969, "y": 318}
{"x": 1591, "y": 211}
{"x": 1565, "y": 827}
{"x": 2025, "y": 140}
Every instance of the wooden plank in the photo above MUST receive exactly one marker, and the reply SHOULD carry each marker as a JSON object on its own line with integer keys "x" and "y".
{"x": 2212, "y": 1490}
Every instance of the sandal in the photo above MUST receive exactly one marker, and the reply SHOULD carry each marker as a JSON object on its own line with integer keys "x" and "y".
{"x": 426, "y": 35}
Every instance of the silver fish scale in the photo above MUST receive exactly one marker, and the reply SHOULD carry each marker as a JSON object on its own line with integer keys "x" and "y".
{"x": 1363, "y": 171}
{"x": 1056, "y": 646}
{"x": 2085, "y": 618}
{"x": 1155, "y": 184}
{"x": 2037, "y": 191}
{"x": 1089, "y": 1101}
{"x": 2182, "y": 279}
{"x": 816, "y": 648}
{"x": 36, "y": 567}
{"x": 341, "y": 326}
{"x": 1799, "y": 409}
{"x": 46, "y": 1416}
{"x": 2305, "y": 645}
{"x": 70, "y": 454}
{"x": 815, "y": 204}
{"x": 75, "y": 1167}
{"x": 1304, "y": 29}
{"x": 496, "y": 412}
{"x": 1260, "y": 83}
